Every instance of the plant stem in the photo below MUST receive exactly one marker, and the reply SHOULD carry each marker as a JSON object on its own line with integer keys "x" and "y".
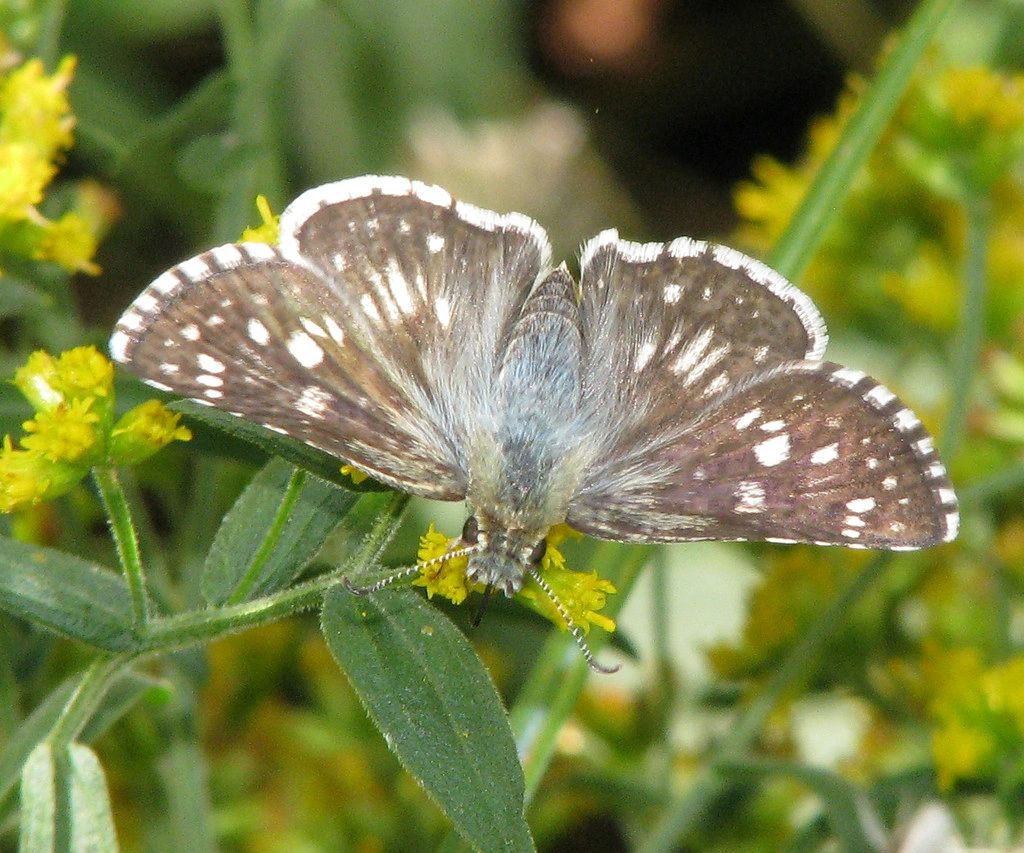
{"x": 972, "y": 321}
{"x": 817, "y": 210}
{"x": 685, "y": 812}
{"x": 81, "y": 704}
{"x": 198, "y": 626}
{"x": 116, "y": 504}
{"x": 557, "y": 679}
{"x": 284, "y": 511}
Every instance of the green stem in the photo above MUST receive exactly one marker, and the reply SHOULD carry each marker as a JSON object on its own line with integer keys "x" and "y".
{"x": 82, "y": 703}
{"x": 269, "y": 543}
{"x": 116, "y": 504}
{"x": 817, "y": 210}
{"x": 972, "y": 321}
{"x": 557, "y": 679}
{"x": 685, "y": 812}
{"x": 198, "y": 626}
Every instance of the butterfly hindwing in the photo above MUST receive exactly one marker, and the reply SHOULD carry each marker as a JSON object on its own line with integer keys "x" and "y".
{"x": 804, "y": 452}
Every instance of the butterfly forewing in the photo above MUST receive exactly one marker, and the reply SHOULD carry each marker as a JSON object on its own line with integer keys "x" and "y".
{"x": 245, "y": 330}
{"x": 805, "y": 452}
{"x": 668, "y": 327}
{"x": 432, "y": 285}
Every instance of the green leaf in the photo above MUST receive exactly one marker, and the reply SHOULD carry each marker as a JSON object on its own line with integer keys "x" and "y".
{"x": 117, "y": 701}
{"x": 275, "y": 528}
{"x": 65, "y": 803}
{"x": 65, "y": 594}
{"x": 184, "y": 772}
{"x": 427, "y": 692}
{"x": 322, "y": 464}
{"x": 39, "y": 802}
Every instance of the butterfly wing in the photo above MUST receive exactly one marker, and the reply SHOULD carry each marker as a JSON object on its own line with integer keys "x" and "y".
{"x": 341, "y": 336}
{"x": 725, "y": 423}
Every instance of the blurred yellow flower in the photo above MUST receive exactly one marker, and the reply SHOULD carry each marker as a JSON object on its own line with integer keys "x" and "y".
{"x": 982, "y": 96}
{"x": 354, "y": 474}
{"x": 34, "y": 107}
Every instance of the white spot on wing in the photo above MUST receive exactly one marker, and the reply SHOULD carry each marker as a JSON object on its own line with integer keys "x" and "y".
{"x": 693, "y": 351}
{"x": 773, "y": 426}
{"x": 190, "y": 332}
{"x": 369, "y": 308}
{"x": 258, "y": 332}
{"x": 848, "y": 376}
{"x": 672, "y": 292}
{"x": 334, "y": 329}
{"x": 211, "y": 381}
{"x": 209, "y": 363}
{"x": 443, "y": 309}
{"x": 400, "y": 288}
{"x": 119, "y": 345}
{"x": 773, "y": 451}
{"x": 305, "y": 350}
{"x": 751, "y": 497}
{"x": 889, "y": 483}
{"x": 745, "y": 420}
{"x": 312, "y": 327}
{"x": 861, "y": 504}
{"x": 435, "y": 243}
{"x": 826, "y": 454}
{"x": 643, "y": 355}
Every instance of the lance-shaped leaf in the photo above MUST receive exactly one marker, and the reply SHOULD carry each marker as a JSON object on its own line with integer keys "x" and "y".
{"x": 275, "y": 528}
{"x": 65, "y": 594}
{"x": 435, "y": 704}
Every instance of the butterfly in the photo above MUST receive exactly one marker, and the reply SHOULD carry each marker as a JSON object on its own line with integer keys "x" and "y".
{"x": 677, "y": 392}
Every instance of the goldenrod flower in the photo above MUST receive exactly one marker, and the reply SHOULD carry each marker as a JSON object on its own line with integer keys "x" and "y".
{"x": 70, "y": 243}
{"x": 143, "y": 431}
{"x": 960, "y": 751}
{"x": 23, "y": 177}
{"x": 66, "y": 433}
{"x": 354, "y": 474}
{"x": 34, "y": 107}
{"x": 981, "y": 96}
{"x": 268, "y": 229}
{"x": 446, "y": 578}
{"x": 79, "y": 373}
{"x": 583, "y": 594}
{"x": 27, "y": 477}
{"x": 73, "y": 395}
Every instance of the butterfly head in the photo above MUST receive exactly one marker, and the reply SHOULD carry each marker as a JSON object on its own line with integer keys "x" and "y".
{"x": 502, "y": 558}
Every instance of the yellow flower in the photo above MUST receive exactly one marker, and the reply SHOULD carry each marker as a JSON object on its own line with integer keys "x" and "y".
{"x": 27, "y": 478}
{"x": 143, "y": 431}
{"x": 267, "y": 230}
{"x": 66, "y": 433}
{"x": 79, "y": 373}
{"x": 24, "y": 174}
{"x": 982, "y": 96}
{"x": 70, "y": 243}
{"x": 582, "y": 594}
{"x": 354, "y": 474}
{"x": 446, "y": 578}
{"x": 928, "y": 287}
{"x": 34, "y": 107}
{"x": 960, "y": 750}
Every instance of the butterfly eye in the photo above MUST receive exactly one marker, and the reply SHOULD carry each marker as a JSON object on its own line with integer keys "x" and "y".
{"x": 537, "y": 554}
{"x": 471, "y": 531}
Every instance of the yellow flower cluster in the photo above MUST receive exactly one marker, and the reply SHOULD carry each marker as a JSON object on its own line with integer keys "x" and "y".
{"x": 978, "y": 711}
{"x": 958, "y": 135}
{"x": 35, "y": 132}
{"x": 583, "y": 594}
{"x": 74, "y": 428}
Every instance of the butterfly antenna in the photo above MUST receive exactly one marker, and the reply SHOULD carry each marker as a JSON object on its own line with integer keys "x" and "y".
{"x": 406, "y": 572}
{"x": 478, "y": 618}
{"x": 574, "y": 629}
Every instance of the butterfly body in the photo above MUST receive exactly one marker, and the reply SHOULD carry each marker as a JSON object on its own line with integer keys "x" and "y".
{"x": 676, "y": 393}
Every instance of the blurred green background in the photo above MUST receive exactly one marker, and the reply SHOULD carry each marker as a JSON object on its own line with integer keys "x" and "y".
{"x": 660, "y": 118}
